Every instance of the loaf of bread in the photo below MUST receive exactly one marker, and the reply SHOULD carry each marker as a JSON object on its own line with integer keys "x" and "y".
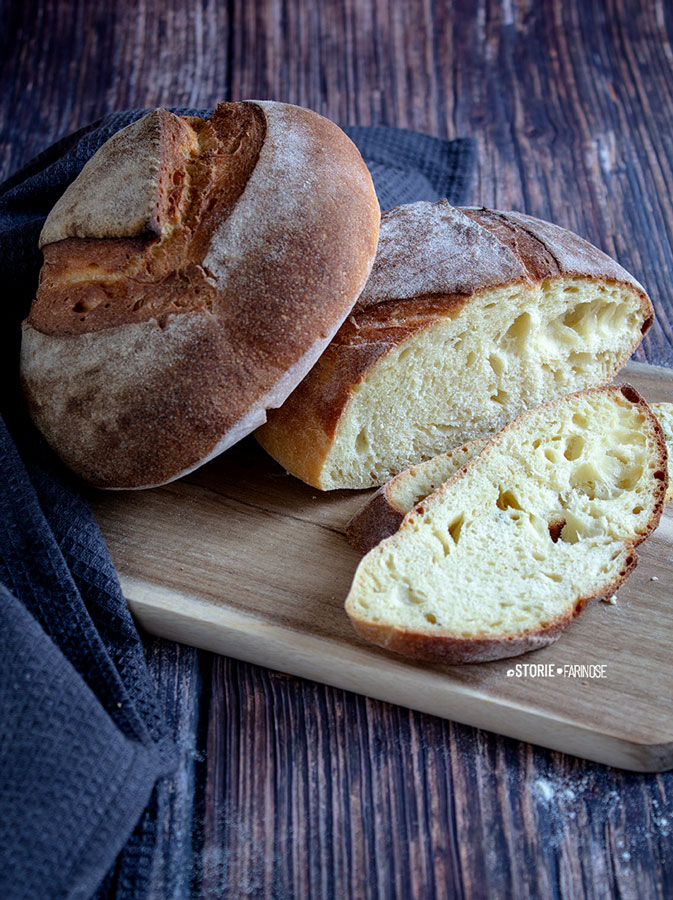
{"x": 382, "y": 515}
{"x": 193, "y": 273}
{"x": 469, "y": 317}
{"x": 507, "y": 552}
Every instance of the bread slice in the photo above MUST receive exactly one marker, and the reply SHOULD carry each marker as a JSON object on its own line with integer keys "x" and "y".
{"x": 505, "y": 554}
{"x": 382, "y": 515}
{"x": 664, "y": 412}
{"x": 469, "y": 317}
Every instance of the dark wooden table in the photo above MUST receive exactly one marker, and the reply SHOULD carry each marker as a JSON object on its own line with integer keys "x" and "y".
{"x": 292, "y": 789}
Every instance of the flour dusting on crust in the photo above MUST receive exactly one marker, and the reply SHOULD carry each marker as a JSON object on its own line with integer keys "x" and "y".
{"x": 432, "y": 248}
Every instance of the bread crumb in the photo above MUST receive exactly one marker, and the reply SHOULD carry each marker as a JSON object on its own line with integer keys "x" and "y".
{"x": 654, "y": 578}
{"x": 611, "y": 600}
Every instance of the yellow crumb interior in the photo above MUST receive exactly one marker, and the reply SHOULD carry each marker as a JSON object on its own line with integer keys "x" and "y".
{"x": 415, "y": 484}
{"x": 468, "y": 374}
{"x": 541, "y": 518}
{"x": 408, "y": 488}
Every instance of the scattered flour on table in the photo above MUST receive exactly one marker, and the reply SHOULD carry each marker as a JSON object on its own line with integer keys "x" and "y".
{"x": 588, "y": 797}
{"x": 544, "y": 788}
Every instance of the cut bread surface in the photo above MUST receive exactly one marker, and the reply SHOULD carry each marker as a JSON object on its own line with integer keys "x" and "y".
{"x": 502, "y": 557}
{"x": 491, "y": 314}
{"x": 467, "y": 375}
{"x": 664, "y": 413}
{"x": 382, "y": 515}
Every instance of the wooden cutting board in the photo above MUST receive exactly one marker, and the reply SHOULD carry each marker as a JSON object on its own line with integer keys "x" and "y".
{"x": 244, "y": 560}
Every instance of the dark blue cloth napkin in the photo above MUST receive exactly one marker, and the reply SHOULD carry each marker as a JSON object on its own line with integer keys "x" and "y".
{"x": 82, "y": 745}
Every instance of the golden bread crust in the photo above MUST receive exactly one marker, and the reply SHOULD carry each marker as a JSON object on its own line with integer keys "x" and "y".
{"x": 377, "y": 520}
{"x": 126, "y": 189}
{"x": 238, "y": 284}
{"x": 431, "y": 262}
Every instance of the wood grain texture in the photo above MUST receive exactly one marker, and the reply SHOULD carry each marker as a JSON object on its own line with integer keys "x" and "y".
{"x": 570, "y": 101}
{"x": 179, "y": 673}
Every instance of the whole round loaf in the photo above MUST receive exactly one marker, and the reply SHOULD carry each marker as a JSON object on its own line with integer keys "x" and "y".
{"x": 193, "y": 273}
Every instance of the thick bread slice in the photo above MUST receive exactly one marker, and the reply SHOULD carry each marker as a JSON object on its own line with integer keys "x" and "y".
{"x": 508, "y": 551}
{"x": 469, "y": 318}
{"x": 382, "y": 515}
{"x": 193, "y": 273}
{"x": 664, "y": 412}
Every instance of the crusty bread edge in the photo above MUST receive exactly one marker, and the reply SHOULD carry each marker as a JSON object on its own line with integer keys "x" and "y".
{"x": 654, "y": 406}
{"x": 255, "y": 416}
{"x": 451, "y": 650}
{"x": 275, "y": 382}
{"x": 296, "y": 439}
{"x": 300, "y": 435}
{"x": 376, "y": 520}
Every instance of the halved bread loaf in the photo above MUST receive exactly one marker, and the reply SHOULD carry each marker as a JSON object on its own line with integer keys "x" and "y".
{"x": 193, "y": 273}
{"x": 507, "y": 552}
{"x": 469, "y": 318}
{"x": 382, "y": 515}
